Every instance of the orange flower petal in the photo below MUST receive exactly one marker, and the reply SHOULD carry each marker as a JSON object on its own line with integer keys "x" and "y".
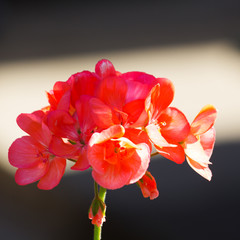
{"x": 204, "y": 171}
{"x": 174, "y": 125}
{"x": 204, "y": 120}
{"x": 175, "y": 154}
{"x": 159, "y": 98}
{"x": 156, "y": 138}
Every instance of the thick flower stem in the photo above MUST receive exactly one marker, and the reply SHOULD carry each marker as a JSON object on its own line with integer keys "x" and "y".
{"x": 102, "y": 195}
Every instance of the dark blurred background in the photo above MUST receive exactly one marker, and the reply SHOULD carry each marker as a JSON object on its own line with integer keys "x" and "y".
{"x": 188, "y": 207}
{"x": 33, "y": 29}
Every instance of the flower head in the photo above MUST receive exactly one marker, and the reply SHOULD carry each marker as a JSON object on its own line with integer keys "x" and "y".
{"x": 32, "y": 155}
{"x": 115, "y": 159}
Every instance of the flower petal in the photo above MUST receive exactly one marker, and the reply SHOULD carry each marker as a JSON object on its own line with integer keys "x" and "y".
{"x": 113, "y": 178}
{"x": 174, "y": 125}
{"x": 207, "y": 141}
{"x": 115, "y": 131}
{"x": 24, "y": 152}
{"x": 102, "y": 114}
{"x": 25, "y": 176}
{"x": 139, "y": 85}
{"x": 84, "y": 113}
{"x": 35, "y": 127}
{"x": 204, "y": 171}
{"x": 83, "y": 83}
{"x": 112, "y": 91}
{"x": 159, "y": 98}
{"x": 62, "y": 124}
{"x": 156, "y": 138}
{"x": 142, "y": 155}
{"x": 62, "y": 149}
{"x": 137, "y": 136}
{"x": 137, "y": 116}
{"x": 104, "y": 68}
{"x": 175, "y": 153}
{"x": 204, "y": 120}
{"x": 54, "y": 174}
{"x": 194, "y": 150}
{"x": 82, "y": 162}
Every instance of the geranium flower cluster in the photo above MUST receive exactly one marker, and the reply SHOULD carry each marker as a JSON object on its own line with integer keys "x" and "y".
{"x": 108, "y": 121}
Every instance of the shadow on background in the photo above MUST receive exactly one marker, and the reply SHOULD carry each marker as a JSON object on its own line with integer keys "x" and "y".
{"x": 36, "y": 29}
{"x": 188, "y": 207}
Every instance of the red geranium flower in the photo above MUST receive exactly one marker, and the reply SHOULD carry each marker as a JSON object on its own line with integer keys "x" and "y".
{"x": 167, "y": 126}
{"x": 115, "y": 159}
{"x": 31, "y": 154}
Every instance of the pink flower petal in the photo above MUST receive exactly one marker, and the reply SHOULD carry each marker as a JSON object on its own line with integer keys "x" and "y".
{"x": 82, "y": 162}
{"x": 139, "y": 85}
{"x": 104, "y": 68}
{"x": 62, "y": 149}
{"x": 24, "y": 152}
{"x": 26, "y": 176}
{"x": 62, "y": 124}
{"x": 34, "y": 126}
{"x": 83, "y": 83}
{"x": 54, "y": 174}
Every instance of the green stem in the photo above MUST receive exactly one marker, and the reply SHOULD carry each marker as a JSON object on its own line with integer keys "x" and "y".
{"x": 102, "y": 195}
{"x": 97, "y": 232}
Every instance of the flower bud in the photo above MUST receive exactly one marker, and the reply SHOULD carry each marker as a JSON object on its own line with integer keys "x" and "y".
{"x": 97, "y": 212}
{"x": 148, "y": 186}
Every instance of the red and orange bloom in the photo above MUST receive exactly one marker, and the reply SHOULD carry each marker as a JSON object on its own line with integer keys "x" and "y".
{"x": 167, "y": 126}
{"x": 148, "y": 186}
{"x": 115, "y": 159}
{"x": 199, "y": 144}
{"x": 107, "y": 121}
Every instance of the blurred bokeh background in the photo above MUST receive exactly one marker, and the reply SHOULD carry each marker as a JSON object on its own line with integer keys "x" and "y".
{"x": 194, "y": 43}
